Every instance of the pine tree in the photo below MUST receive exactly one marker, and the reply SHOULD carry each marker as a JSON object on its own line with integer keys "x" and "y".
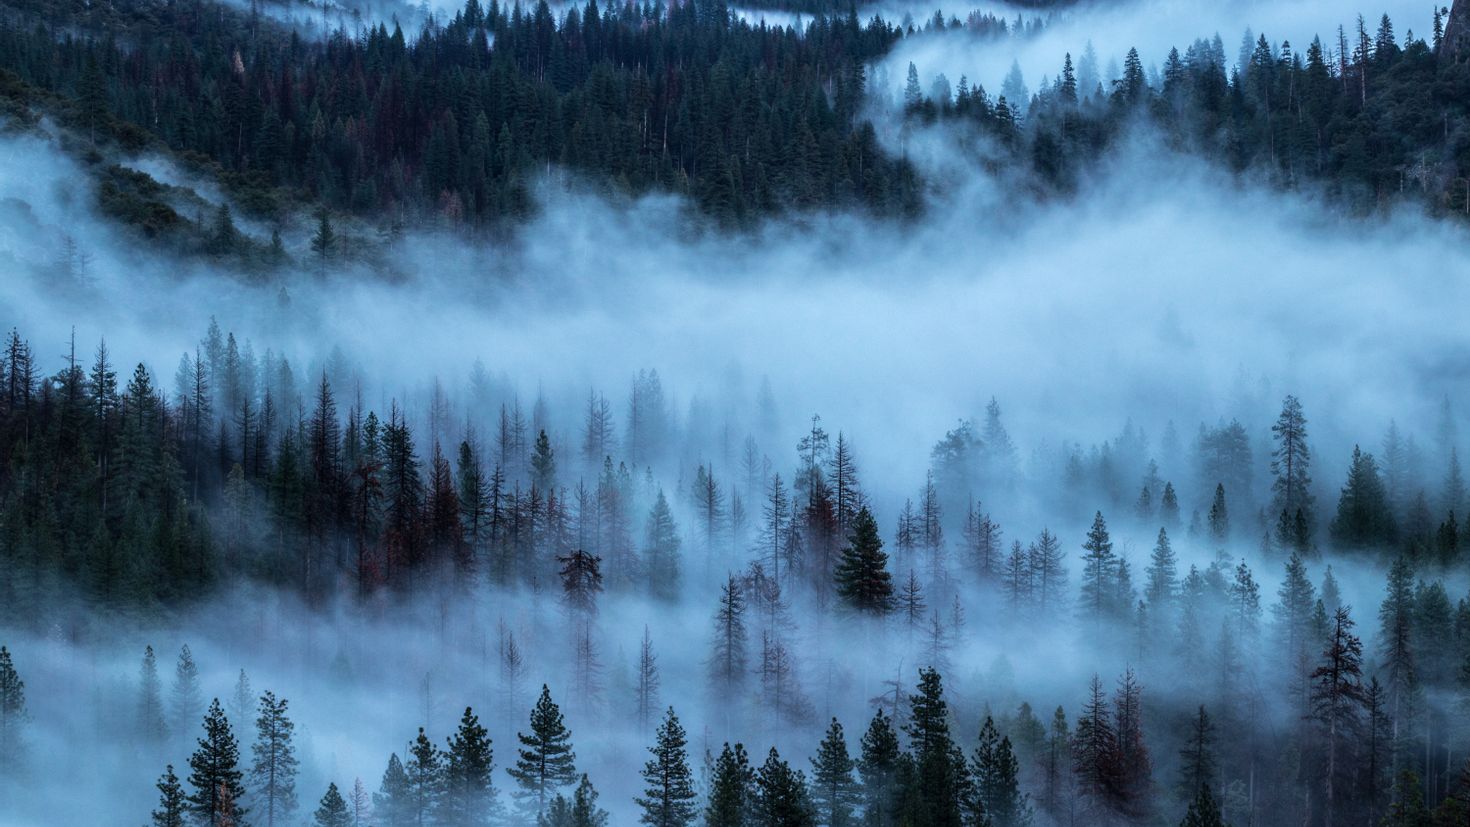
{"x": 151, "y": 725}
{"x": 545, "y": 761}
{"x": 728, "y": 659}
{"x": 333, "y": 810}
{"x": 1197, "y": 757}
{"x": 1204, "y": 811}
{"x": 995, "y": 771}
{"x": 668, "y": 796}
{"x": 1169, "y": 507}
{"x": 12, "y": 712}
{"x": 834, "y": 791}
{"x": 1099, "y": 566}
{"x": 732, "y": 791}
{"x": 781, "y": 798}
{"x": 1363, "y": 517}
{"x": 863, "y": 581}
{"x": 186, "y": 698}
{"x": 172, "y": 803}
{"x": 878, "y": 765}
{"x": 1337, "y": 704}
{"x": 468, "y": 795}
{"x": 214, "y": 772}
{"x": 1291, "y": 461}
{"x": 1162, "y": 578}
{"x": 273, "y": 773}
{"x": 393, "y": 802}
{"x": 662, "y": 551}
{"x": 1219, "y": 517}
{"x": 646, "y": 693}
{"x": 425, "y": 779}
{"x": 940, "y": 768}
{"x": 1094, "y": 748}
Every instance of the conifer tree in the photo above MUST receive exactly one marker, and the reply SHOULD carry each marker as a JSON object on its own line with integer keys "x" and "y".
{"x": 425, "y": 779}
{"x": 1099, "y": 566}
{"x": 995, "y": 772}
{"x": 393, "y": 802}
{"x": 273, "y": 773}
{"x": 661, "y": 553}
{"x": 545, "y": 761}
{"x": 172, "y": 803}
{"x": 12, "y": 712}
{"x": 215, "y": 773}
{"x": 668, "y": 797}
{"x": 332, "y": 811}
{"x": 728, "y": 659}
{"x": 1337, "y": 704}
{"x": 151, "y": 724}
{"x": 1219, "y": 516}
{"x": 878, "y": 766}
{"x": 1204, "y": 811}
{"x": 186, "y": 698}
{"x": 834, "y": 791}
{"x": 863, "y": 581}
{"x": 468, "y": 795}
{"x": 1197, "y": 757}
{"x": 781, "y": 798}
{"x": 1363, "y": 517}
{"x": 732, "y": 791}
{"x": 940, "y": 771}
{"x": 646, "y": 692}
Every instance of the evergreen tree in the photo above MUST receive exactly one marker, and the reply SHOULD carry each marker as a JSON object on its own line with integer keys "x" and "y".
{"x": 468, "y": 795}
{"x": 1219, "y": 517}
{"x": 662, "y": 551}
{"x": 151, "y": 724}
{"x": 12, "y": 713}
{"x": 545, "y": 761}
{"x": 781, "y": 798}
{"x": 732, "y": 791}
{"x": 215, "y": 774}
{"x": 1197, "y": 758}
{"x": 834, "y": 791}
{"x": 728, "y": 659}
{"x": 425, "y": 779}
{"x": 1363, "y": 517}
{"x": 393, "y": 802}
{"x": 333, "y": 810}
{"x": 1337, "y": 699}
{"x": 273, "y": 773}
{"x": 863, "y": 581}
{"x": 186, "y": 697}
{"x": 172, "y": 803}
{"x": 1098, "y": 572}
{"x": 941, "y": 774}
{"x": 668, "y": 797}
{"x": 996, "y": 771}
{"x": 1204, "y": 811}
{"x": 878, "y": 766}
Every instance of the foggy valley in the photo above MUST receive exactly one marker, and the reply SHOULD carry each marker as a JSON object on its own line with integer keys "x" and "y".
{"x": 786, "y": 414}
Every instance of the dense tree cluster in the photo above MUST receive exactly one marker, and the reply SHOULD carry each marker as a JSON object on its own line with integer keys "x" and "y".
{"x": 458, "y": 118}
{"x": 1363, "y": 115}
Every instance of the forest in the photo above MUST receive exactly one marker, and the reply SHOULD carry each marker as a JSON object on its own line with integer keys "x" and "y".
{"x": 741, "y": 415}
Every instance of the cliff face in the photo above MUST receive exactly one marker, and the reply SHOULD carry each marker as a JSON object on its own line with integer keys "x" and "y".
{"x": 1456, "y": 46}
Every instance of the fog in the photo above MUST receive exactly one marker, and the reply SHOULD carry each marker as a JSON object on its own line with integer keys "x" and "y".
{"x": 1164, "y": 291}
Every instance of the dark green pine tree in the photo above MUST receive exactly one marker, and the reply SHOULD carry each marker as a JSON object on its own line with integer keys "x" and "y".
{"x": 468, "y": 796}
{"x": 1364, "y": 519}
{"x": 1197, "y": 757}
{"x": 732, "y": 791}
{"x": 668, "y": 795}
{"x": 996, "y": 772}
{"x": 324, "y": 240}
{"x": 425, "y": 774}
{"x": 333, "y": 810}
{"x": 1219, "y": 517}
{"x": 662, "y": 551}
{"x": 393, "y": 802}
{"x": 12, "y": 712}
{"x": 580, "y": 810}
{"x": 151, "y": 722}
{"x": 878, "y": 766}
{"x": 172, "y": 803}
{"x": 863, "y": 580}
{"x": 545, "y": 762}
{"x": 1204, "y": 811}
{"x": 273, "y": 773}
{"x": 1098, "y": 567}
{"x": 781, "y": 798}
{"x": 834, "y": 791}
{"x": 940, "y": 774}
{"x": 215, "y": 773}
{"x": 543, "y": 464}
